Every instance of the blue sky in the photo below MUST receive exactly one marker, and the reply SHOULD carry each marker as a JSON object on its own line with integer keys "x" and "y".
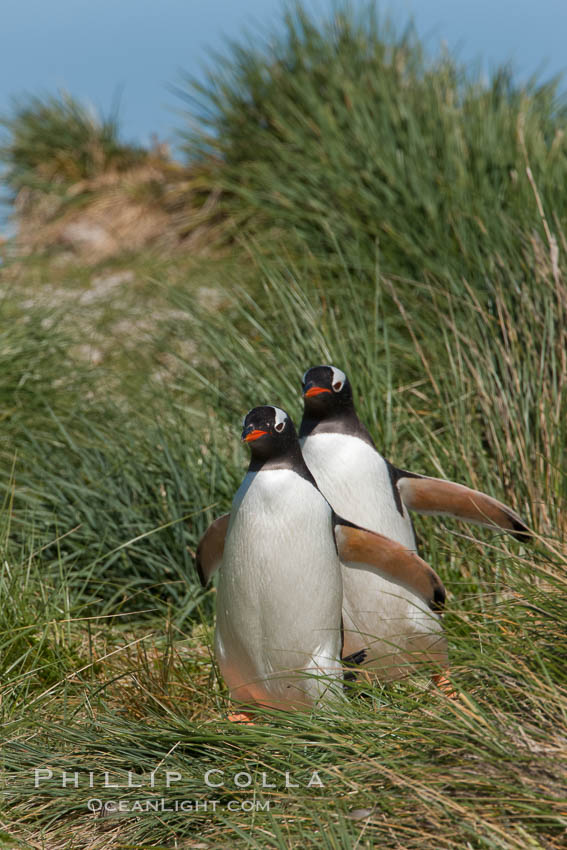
{"x": 93, "y": 48}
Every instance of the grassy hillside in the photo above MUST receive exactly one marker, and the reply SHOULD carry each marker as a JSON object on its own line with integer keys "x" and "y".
{"x": 397, "y": 218}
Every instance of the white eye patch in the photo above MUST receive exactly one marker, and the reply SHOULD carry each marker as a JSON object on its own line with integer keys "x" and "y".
{"x": 338, "y": 378}
{"x": 280, "y": 417}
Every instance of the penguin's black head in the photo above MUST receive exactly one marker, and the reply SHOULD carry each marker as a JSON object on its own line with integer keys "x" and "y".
{"x": 326, "y": 390}
{"x": 269, "y": 431}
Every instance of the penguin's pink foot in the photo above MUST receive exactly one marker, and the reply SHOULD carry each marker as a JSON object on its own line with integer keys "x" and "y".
{"x": 442, "y": 681}
{"x": 241, "y": 717}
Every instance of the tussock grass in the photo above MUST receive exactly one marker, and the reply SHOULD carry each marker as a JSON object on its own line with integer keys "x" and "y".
{"x": 76, "y": 185}
{"x": 438, "y": 284}
{"x": 342, "y": 135}
{"x": 57, "y": 141}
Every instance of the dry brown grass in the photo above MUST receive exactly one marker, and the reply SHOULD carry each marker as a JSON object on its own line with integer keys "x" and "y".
{"x": 159, "y": 204}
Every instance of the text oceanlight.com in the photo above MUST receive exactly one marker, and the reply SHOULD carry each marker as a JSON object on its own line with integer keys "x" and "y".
{"x": 161, "y": 804}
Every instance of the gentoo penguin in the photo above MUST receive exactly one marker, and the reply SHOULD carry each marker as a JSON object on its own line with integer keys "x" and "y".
{"x": 366, "y": 489}
{"x": 278, "y": 637}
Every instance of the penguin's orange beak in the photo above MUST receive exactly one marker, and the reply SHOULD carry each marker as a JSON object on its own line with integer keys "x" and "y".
{"x": 253, "y": 435}
{"x": 315, "y": 391}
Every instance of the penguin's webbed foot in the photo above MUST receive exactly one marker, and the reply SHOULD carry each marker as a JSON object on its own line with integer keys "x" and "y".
{"x": 353, "y": 660}
{"x": 241, "y": 717}
{"x": 443, "y": 682}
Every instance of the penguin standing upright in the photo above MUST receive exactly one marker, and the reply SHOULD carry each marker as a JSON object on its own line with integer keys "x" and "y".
{"x": 386, "y": 620}
{"x": 278, "y": 637}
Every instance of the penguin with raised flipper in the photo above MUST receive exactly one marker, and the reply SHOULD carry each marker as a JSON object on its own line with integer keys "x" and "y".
{"x": 278, "y": 637}
{"x": 365, "y": 488}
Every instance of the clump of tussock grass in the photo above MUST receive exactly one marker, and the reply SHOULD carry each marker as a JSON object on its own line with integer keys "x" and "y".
{"x": 57, "y": 141}
{"x": 38, "y": 642}
{"x": 105, "y": 492}
{"x": 32, "y": 349}
{"x": 76, "y": 184}
{"x": 120, "y": 513}
{"x": 340, "y": 135}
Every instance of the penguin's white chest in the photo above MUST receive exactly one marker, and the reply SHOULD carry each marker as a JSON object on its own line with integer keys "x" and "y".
{"x": 354, "y": 478}
{"x": 389, "y": 621}
{"x": 279, "y": 595}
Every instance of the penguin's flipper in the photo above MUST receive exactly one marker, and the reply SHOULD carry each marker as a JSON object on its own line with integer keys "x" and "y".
{"x": 211, "y": 548}
{"x": 435, "y": 496}
{"x": 360, "y": 548}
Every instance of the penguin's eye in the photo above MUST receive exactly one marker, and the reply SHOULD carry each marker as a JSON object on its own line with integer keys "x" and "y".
{"x": 279, "y": 427}
{"x": 337, "y": 386}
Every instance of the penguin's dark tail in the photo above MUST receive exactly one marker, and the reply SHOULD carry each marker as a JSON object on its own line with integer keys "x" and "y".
{"x": 353, "y": 660}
